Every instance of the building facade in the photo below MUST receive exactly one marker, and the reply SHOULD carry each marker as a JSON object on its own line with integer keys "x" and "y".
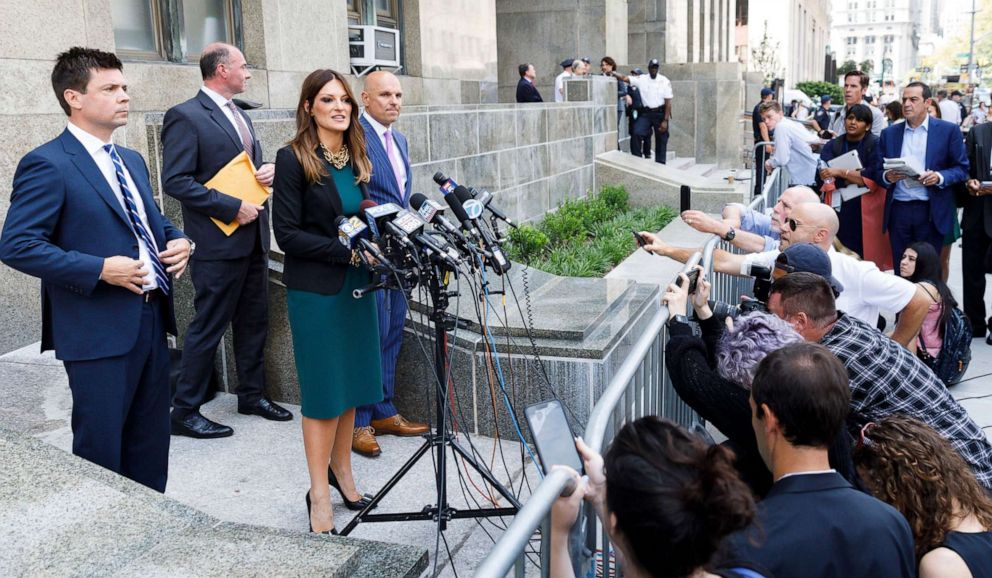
{"x": 884, "y": 32}
{"x": 798, "y": 32}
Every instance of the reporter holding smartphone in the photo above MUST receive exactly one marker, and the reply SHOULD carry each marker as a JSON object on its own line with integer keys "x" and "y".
{"x": 976, "y": 228}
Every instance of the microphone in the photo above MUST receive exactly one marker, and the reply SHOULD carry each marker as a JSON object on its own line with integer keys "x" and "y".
{"x": 350, "y": 229}
{"x": 486, "y": 198}
{"x": 406, "y": 226}
{"x": 433, "y": 212}
{"x": 450, "y": 190}
{"x": 473, "y": 209}
{"x": 377, "y": 215}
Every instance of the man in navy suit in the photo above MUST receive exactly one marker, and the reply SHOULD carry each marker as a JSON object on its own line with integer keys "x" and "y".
{"x": 82, "y": 219}
{"x": 813, "y": 522}
{"x": 526, "y": 91}
{"x": 920, "y": 209}
{"x": 229, "y": 273}
{"x": 391, "y": 182}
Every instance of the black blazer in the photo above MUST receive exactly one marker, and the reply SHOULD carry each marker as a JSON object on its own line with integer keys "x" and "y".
{"x": 197, "y": 141}
{"x": 527, "y": 92}
{"x": 978, "y": 210}
{"x": 303, "y": 217}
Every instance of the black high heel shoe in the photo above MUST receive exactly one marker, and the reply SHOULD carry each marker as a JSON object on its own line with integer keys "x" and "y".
{"x": 332, "y": 531}
{"x": 358, "y": 504}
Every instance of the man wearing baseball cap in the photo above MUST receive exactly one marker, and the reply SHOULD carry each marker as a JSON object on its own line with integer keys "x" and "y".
{"x": 656, "y": 98}
{"x": 822, "y": 115}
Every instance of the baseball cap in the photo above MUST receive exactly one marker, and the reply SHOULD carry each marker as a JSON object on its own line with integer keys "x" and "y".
{"x": 637, "y": 71}
{"x": 586, "y": 59}
{"x": 825, "y": 98}
{"x": 654, "y": 63}
{"x": 957, "y": 93}
{"x": 808, "y": 258}
{"x": 766, "y": 92}
{"x": 567, "y": 62}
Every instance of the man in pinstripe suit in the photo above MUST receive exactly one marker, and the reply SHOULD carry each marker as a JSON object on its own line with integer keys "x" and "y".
{"x": 391, "y": 182}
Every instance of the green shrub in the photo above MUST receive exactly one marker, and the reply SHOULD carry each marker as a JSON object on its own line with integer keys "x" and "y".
{"x": 616, "y": 198}
{"x": 526, "y": 242}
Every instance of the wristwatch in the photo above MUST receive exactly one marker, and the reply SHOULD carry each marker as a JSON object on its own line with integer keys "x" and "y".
{"x": 192, "y": 248}
{"x": 679, "y": 319}
{"x": 730, "y": 235}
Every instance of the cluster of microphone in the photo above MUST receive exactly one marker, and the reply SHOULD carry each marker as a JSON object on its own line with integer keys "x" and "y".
{"x": 402, "y": 244}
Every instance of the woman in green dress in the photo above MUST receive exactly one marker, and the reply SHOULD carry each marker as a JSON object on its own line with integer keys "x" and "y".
{"x": 320, "y": 176}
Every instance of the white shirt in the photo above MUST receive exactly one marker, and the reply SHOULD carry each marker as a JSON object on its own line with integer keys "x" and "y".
{"x": 380, "y": 130}
{"x": 94, "y": 146}
{"x": 222, "y": 103}
{"x": 878, "y": 121}
{"x": 867, "y": 290}
{"x": 654, "y": 91}
{"x": 560, "y": 85}
{"x": 950, "y": 111}
{"x": 793, "y": 152}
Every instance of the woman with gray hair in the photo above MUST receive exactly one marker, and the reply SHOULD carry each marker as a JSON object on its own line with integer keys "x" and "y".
{"x": 712, "y": 374}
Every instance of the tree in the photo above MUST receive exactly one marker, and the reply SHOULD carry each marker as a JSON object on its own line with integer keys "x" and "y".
{"x": 764, "y": 58}
{"x": 848, "y": 66}
{"x": 867, "y": 66}
{"x": 814, "y": 90}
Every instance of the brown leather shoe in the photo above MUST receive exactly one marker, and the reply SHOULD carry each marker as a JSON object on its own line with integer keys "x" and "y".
{"x": 363, "y": 442}
{"x": 399, "y": 426}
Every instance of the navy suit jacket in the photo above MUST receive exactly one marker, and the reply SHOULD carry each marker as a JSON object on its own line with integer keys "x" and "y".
{"x": 527, "y": 92}
{"x": 945, "y": 154}
{"x": 383, "y": 187}
{"x": 818, "y": 525}
{"x": 197, "y": 141}
{"x": 63, "y": 221}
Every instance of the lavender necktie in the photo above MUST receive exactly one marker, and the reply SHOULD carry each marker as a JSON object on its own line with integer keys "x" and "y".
{"x": 246, "y": 139}
{"x": 393, "y": 160}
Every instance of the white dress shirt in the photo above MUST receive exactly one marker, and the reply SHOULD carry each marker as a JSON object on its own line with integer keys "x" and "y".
{"x": 950, "y": 111}
{"x": 560, "y": 85}
{"x": 222, "y": 103}
{"x": 94, "y": 146}
{"x": 654, "y": 91}
{"x": 793, "y": 152}
{"x": 380, "y": 129}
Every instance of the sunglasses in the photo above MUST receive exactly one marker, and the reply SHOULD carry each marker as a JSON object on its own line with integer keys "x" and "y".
{"x": 794, "y": 224}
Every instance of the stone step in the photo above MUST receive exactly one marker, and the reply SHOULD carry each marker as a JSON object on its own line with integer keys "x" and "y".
{"x": 681, "y": 163}
{"x": 703, "y": 170}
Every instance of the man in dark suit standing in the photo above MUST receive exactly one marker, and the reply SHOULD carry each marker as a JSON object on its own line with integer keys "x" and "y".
{"x": 391, "y": 182}
{"x": 526, "y": 91}
{"x": 920, "y": 209}
{"x": 229, "y": 273}
{"x": 976, "y": 228}
{"x": 813, "y": 522}
{"x": 82, "y": 219}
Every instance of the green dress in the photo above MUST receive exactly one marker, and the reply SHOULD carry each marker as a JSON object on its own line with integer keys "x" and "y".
{"x": 336, "y": 337}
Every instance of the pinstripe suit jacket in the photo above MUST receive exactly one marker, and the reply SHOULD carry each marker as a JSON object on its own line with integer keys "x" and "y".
{"x": 383, "y": 187}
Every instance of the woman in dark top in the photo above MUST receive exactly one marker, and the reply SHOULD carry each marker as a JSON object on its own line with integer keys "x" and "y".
{"x": 860, "y": 217}
{"x": 907, "y": 464}
{"x": 713, "y": 375}
{"x": 321, "y": 175}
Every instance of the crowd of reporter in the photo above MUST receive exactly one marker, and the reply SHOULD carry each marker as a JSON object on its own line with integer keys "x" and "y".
{"x": 845, "y": 453}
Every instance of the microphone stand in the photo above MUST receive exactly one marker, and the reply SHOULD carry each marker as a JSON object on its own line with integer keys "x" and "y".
{"x": 441, "y": 438}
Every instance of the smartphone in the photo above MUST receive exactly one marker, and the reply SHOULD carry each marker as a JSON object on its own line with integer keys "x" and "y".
{"x": 553, "y": 438}
{"x": 684, "y": 193}
{"x": 693, "y": 276}
{"x": 640, "y": 240}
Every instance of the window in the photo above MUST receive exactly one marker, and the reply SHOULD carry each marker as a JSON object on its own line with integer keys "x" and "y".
{"x": 175, "y": 30}
{"x": 378, "y": 12}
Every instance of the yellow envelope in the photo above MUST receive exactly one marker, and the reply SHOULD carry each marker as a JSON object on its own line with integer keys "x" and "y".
{"x": 237, "y": 179}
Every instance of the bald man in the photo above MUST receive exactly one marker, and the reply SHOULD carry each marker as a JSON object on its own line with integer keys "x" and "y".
{"x": 867, "y": 290}
{"x": 748, "y": 229}
{"x": 391, "y": 181}
{"x": 229, "y": 272}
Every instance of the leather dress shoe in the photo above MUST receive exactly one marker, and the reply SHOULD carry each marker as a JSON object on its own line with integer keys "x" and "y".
{"x": 267, "y": 409}
{"x": 363, "y": 442}
{"x": 194, "y": 425}
{"x": 988, "y": 339}
{"x": 399, "y": 426}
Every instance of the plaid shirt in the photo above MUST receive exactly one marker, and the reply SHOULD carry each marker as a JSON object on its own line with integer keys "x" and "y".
{"x": 888, "y": 379}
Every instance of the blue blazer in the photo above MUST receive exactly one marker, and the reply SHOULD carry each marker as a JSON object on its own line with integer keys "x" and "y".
{"x": 197, "y": 141}
{"x": 945, "y": 154}
{"x": 63, "y": 221}
{"x": 527, "y": 92}
{"x": 818, "y": 525}
{"x": 383, "y": 187}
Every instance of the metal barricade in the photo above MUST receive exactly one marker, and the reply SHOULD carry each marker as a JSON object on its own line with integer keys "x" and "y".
{"x": 640, "y": 387}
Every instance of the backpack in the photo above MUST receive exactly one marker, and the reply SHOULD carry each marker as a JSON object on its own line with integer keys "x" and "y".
{"x": 955, "y": 352}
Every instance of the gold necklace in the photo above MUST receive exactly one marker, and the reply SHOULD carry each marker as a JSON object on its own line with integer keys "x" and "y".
{"x": 338, "y": 159}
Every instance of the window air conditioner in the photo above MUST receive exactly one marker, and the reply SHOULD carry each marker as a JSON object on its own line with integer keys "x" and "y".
{"x": 372, "y": 46}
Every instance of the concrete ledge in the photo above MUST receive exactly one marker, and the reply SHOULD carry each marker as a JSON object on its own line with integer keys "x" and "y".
{"x": 651, "y": 184}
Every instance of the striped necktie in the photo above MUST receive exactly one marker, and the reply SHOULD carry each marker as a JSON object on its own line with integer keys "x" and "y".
{"x": 246, "y": 139}
{"x": 132, "y": 212}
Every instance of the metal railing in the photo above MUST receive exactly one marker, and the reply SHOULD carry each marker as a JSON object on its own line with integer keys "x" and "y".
{"x": 640, "y": 387}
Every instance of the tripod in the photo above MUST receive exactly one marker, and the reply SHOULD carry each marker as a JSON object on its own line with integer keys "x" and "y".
{"x": 441, "y": 438}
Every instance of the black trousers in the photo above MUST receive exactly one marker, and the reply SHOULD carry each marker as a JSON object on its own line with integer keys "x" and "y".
{"x": 647, "y": 125}
{"x": 234, "y": 291}
{"x": 760, "y": 156}
{"x": 120, "y": 406}
{"x": 975, "y": 245}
